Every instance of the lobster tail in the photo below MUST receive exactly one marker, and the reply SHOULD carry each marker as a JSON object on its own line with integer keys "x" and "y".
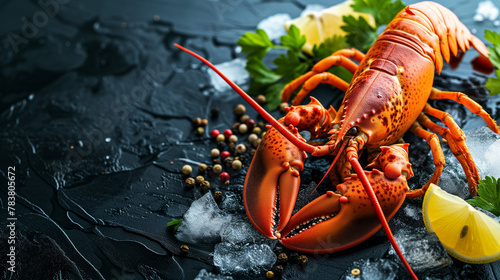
{"x": 438, "y": 28}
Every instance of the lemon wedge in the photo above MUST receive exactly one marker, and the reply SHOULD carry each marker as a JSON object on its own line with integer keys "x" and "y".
{"x": 466, "y": 233}
{"x": 318, "y": 26}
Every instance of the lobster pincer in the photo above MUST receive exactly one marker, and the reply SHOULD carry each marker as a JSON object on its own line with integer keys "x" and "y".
{"x": 339, "y": 220}
{"x": 274, "y": 174}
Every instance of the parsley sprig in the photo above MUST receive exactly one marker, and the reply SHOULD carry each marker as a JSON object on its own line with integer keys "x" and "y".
{"x": 288, "y": 66}
{"x": 488, "y": 197}
{"x": 174, "y": 224}
{"x": 293, "y": 63}
{"x": 493, "y": 84}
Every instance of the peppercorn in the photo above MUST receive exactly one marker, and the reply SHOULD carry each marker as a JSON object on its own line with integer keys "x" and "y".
{"x": 196, "y": 122}
{"x": 184, "y": 249}
{"x": 200, "y": 130}
{"x": 189, "y": 182}
{"x": 236, "y": 165}
{"x": 261, "y": 99}
{"x": 282, "y": 258}
{"x": 187, "y": 169}
{"x": 218, "y": 196}
{"x": 244, "y": 118}
{"x": 278, "y": 270}
{"x": 293, "y": 257}
{"x": 225, "y": 154}
{"x": 302, "y": 260}
{"x": 214, "y": 112}
{"x": 252, "y": 138}
{"x": 204, "y": 122}
{"x": 214, "y": 133}
{"x": 261, "y": 124}
{"x": 235, "y": 126}
{"x": 241, "y": 149}
{"x": 215, "y": 152}
{"x": 224, "y": 176}
{"x": 221, "y": 145}
{"x": 355, "y": 272}
{"x": 240, "y": 109}
{"x": 252, "y": 152}
{"x": 202, "y": 167}
{"x": 228, "y": 162}
{"x": 269, "y": 274}
{"x": 230, "y": 147}
{"x": 217, "y": 169}
{"x": 250, "y": 123}
{"x": 199, "y": 179}
{"x": 220, "y": 138}
{"x": 233, "y": 139}
{"x": 216, "y": 161}
{"x": 205, "y": 185}
{"x": 256, "y": 130}
{"x": 227, "y": 133}
{"x": 243, "y": 128}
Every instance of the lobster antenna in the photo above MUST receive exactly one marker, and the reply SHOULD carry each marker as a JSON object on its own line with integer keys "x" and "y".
{"x": 331, "y": 166}
{"x": 268, "y": 117}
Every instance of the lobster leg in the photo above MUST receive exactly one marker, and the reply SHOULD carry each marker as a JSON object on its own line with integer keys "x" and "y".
{"x": 340, "y": 57}
{"x": 470, "y": 104}
{"x": 315, "y": 80}
{"x": 437, "y": 154}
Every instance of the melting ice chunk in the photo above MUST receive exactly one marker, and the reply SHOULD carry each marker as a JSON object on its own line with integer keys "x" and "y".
{"x": 243, "y": 260}
{"x": 203, "y": 221}
{"x": 274, "y": 25}
{"x": 234, "y": 70}
{"x": 422, "y": 249}
{"x": 205, "y": 275}
{"x": 241, "y": 231}
{"x": 374, "y": 269}
{"x": 486, "y": 10}
{"x": 484, "y": 146}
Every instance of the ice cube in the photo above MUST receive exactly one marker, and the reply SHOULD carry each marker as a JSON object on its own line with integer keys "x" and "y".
{"x": 232, "y": 204}
{"x": 248, "y": 260}
{"x": 241, "y": 231}
{"x": 203, "y": 221}
{"x": 484, "y": 146}
{"x": 486, "y": 10}
{"x": 373, "y": 269}
{"x": 234, "y": 70}
{"x": 422, "y": 250}
{"x": 274, "y": 25}
{"x": 205, "y": 275}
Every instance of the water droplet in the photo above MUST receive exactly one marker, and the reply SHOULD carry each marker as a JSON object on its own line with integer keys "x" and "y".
{"x": 107, "y": 139}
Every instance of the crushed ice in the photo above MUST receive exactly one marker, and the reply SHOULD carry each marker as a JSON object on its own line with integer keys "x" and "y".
{"x": 274, "y": 25}
{"x": 486, "y": 10}
{"x": 205, "y": 275}
{"x": 422, "y": 249}
{"x": 234, "y": 70}
{"x": 203, "y": 221}
{"x": 243, "y": 260}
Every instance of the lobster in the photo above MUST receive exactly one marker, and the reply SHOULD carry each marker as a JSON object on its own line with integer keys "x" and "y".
{"x": 387, "y": 96}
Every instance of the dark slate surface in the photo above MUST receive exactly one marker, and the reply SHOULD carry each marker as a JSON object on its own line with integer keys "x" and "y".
{"x": 96, "y": 106}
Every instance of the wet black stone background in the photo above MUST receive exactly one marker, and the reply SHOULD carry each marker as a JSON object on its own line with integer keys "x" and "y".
{"x": 95, "y": 112}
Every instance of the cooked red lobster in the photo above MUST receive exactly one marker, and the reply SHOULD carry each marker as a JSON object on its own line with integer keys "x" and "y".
{"x": 387, "y": 97}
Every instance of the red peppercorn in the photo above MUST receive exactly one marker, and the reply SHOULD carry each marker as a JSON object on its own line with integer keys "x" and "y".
{"x": 227, "y": 133}
{"x": 214, "y": 133}
{"x": 224, "y": 176}
{"x": 250, "y": 123}
{"x": 225, "y": 154}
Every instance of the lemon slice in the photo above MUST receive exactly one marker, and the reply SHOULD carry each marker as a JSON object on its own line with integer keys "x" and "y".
{"x": 467, "y": 234}
{"x": 318, "y": 26}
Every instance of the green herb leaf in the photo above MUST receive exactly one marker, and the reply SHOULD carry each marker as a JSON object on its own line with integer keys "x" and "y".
{"x": 383, "y": 11}
{"x": 175, "y": 224}
{"x": 488, "y": 197}
{"x": 260, "y": 73}
{"x": 255, "y": 42}
{"x": 293, "y": 40}
{"x": 493, "y": 84}
{"x": 360, "y": 34}
{"x": 329, "y": 46}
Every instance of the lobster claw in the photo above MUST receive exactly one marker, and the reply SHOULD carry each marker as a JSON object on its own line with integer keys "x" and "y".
{"x": 273, "y": 173}
{"x": 335, "y": 222}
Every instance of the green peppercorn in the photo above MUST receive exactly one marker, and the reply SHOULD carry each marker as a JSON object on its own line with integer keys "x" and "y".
{"x": 189, "y": 182}
{"x": 240, "y": 109}
{"x": 215, "y": 153}
{"x": 236, "y": 164}
{"x": 199, "y": 180}
{"x": 187, "y": 169}
{"x": 202, "y": 167}
{"x": 217, "y": 169}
